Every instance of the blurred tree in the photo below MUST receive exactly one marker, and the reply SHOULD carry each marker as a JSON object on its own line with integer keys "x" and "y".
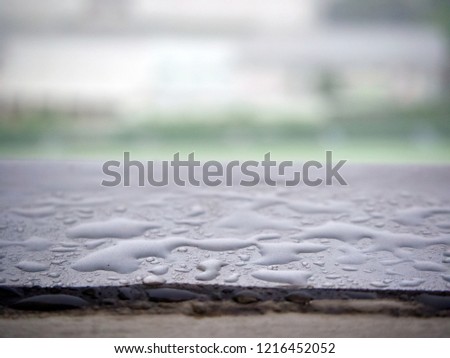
{"x": 435, "y": 12}
{"x": 328, "y": 85}
{"x": 441, "y": 17}
{"x": 395, "y": 11}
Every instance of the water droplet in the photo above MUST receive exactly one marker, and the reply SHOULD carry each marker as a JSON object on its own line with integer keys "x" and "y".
{"x": 63, "y": 249}
{"x": 90, "y": 245}
{"x": 232, "y": 278}
{"x": 413, "y": 282}
{"x": 35, "y": 212}
{"x": 298, "y": 278}
{"x": 191, "y": 222}
{"x": 244, "y": 257}
{"x": 120, "y": 209}
{"x": 415, "y": 216}
{"x": 116, "y": 228}
{"x": 360, "y": 219}
{"x": 69, "y": 221}
{"x": 180, "y": 230}
{"x": 349, "y": 268}
{"x": 285, "y": 252}
{"x": 196, "y": 210}
{"x": 159, "y": 270}
{"x": 153, "y": 280}
{"x": 379, "y": 284}
{"x": 429, "y": 266}
{"x": 210, "y": 268}
{"x": 32, "y": 266}
{"x": 332, "y": 277}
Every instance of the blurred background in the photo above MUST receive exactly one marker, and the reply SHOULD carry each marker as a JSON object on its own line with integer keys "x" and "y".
{"x": 91, "y": 79}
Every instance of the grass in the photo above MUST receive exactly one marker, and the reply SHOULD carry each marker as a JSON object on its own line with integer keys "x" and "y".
{"x": 418, "y": 134}
{"x": 361, "y": 151}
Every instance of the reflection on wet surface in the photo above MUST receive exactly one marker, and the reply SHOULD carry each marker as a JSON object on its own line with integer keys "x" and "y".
{"x": 369, "y": 235}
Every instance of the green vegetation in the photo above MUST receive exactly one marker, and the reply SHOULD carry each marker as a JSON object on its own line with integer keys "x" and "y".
{"x": 417, "y": 134}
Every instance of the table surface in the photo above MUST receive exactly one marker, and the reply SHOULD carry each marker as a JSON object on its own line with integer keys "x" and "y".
{"x": 388, "y": 229}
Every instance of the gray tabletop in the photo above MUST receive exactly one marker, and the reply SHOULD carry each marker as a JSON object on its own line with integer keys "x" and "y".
{"x": 388, "y": 229}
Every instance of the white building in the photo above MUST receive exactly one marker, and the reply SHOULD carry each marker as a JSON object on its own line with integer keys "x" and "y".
{"x": 120, "y": 57}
